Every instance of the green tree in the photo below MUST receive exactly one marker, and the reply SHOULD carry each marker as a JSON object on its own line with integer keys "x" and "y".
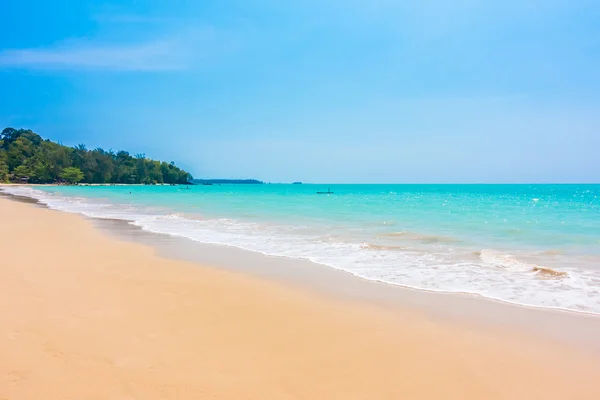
{"x": 72, "y": 175}
{"x": 56, "y": 158}
{"x": 24, "y": 154}
{"x": 104, "y": 166}
{"x": 22, "y": 172}
{"x": 3, "y": 165}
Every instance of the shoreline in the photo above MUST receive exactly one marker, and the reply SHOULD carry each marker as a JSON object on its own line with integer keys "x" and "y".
{"x": 97, "y": 317}
{"x": 403, "y": 286}
{"x": 462, "y": 307}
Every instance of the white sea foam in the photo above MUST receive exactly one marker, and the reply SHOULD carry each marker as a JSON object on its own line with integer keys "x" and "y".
{"x": 492, "y": 273}
{"x": 504, "y": 260}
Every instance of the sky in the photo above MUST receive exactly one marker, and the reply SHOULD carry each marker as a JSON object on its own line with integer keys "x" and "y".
{"x": 347, "y": 91}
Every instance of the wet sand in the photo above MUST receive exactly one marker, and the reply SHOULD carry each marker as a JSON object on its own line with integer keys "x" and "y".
{"x": 573, "y": 328}
{"x": 85, "y": 315}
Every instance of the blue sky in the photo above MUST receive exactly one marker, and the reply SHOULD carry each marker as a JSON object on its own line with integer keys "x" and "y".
{"x": 318, "y": 91}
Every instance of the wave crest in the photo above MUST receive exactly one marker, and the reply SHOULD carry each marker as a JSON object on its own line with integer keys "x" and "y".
{"x": 508, "y": 261}
{"x": 549, "y": 272}
{"x": 373, "y": 246}
{"x": 413, "y": 236}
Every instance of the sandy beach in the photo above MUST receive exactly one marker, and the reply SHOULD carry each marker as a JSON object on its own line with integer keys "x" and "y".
{"x": 84, "y": 315}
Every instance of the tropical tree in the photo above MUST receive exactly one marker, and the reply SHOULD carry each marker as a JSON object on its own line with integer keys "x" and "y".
{"x": 24, "y": 154}
{"x": 72, "y": 175}
{"x": 3, "y": 165}
{"x": 22, "y": 172}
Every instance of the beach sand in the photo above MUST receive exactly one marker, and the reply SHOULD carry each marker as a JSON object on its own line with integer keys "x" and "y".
{"x": 86, "y": 316}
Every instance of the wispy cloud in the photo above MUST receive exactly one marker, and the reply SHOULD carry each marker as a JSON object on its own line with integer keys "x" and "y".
{"x": 132, "y": 19}
{"x": 159, "y": 55}
{"x": 175, "y": 50}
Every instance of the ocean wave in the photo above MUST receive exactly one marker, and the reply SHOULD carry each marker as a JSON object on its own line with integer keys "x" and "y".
{"x": 181, "y": 216}
{"x": 551, "y": 252}
{"x": 549, "y": 272}
{"x": 508, "y": 261}
{"x": 413, "y": 236}
{"x": 435, "y": 266}
{"x": 373, "y": 246}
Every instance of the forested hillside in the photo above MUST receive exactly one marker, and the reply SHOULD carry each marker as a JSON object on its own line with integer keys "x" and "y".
{"x": 26, "y": 157}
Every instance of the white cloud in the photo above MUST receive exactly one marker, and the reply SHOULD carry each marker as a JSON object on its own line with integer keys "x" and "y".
{"x": 178, "y": 50}
{"x": 132, "y": 19}
{"x": 149, "y": 56}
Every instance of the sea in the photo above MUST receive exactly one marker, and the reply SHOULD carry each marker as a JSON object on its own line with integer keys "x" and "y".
{"x": 533, "y": 245}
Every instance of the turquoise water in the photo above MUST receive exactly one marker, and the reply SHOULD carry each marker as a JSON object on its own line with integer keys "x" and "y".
{"x": 536, "y": 245}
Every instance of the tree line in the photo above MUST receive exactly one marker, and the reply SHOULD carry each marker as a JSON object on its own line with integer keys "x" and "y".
{"x": 26, "y": 157}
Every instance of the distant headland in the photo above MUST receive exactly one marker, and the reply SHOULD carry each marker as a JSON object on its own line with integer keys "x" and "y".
{"x": 227, "y": 181}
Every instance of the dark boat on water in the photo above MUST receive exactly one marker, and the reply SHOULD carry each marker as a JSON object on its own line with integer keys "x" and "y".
{"x": 327, "y": 192}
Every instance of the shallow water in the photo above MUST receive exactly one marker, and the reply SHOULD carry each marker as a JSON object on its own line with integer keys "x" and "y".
{"x": 537, "y": 245}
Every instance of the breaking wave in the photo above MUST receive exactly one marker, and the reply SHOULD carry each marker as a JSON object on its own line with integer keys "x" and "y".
{"x": 416, "y": 237}
{"x": 508, "y": 261}
{"x": 399, "y": 258}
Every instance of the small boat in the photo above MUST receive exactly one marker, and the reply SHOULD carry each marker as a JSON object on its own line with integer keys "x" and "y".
{"x": 327, "y": 192}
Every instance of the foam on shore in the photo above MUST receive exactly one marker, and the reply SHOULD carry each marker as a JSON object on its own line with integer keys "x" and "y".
{"x": 491, "y": 273}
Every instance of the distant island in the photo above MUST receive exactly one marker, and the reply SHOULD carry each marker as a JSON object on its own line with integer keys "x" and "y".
{"x": 27, "y": 158}
{"x": 227, "y": 181}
